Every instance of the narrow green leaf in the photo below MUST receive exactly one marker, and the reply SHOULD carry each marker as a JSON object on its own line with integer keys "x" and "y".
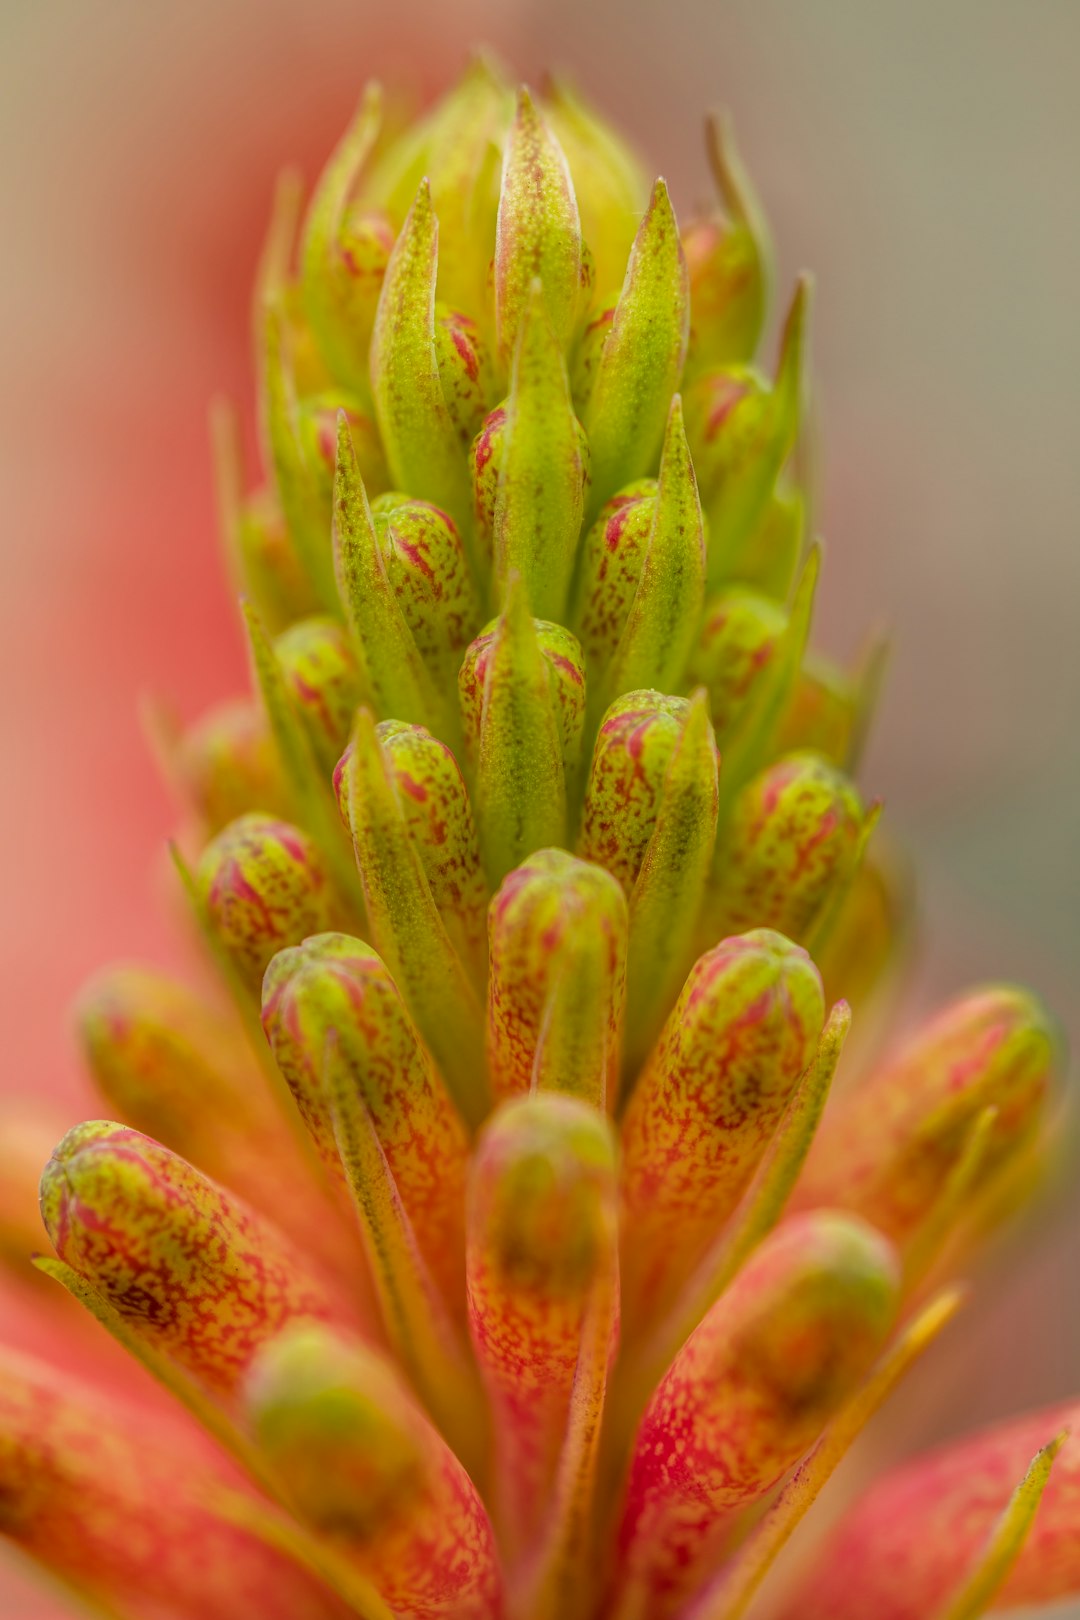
{"x": 642, "y": 357}
{"x": 540, "y": 498}
{"x": 340, "y": 311}
{"x": 538, "y": 234}
{"x": 521, "y": 784}
{"x": 421, "y": 442}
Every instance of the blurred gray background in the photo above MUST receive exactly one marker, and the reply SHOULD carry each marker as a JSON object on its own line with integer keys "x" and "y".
{"x": 921, "y": 157}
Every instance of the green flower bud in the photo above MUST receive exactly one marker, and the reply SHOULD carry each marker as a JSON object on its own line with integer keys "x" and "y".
{"x": 790, "y": 848}
{"x": 324, "y": 681}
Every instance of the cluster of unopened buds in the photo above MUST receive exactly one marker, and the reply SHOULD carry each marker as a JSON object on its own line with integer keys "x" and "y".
{"x": 492, "y": 1222}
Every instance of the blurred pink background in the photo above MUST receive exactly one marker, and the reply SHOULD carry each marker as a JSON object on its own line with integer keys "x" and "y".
{"x": 920, "y": 158}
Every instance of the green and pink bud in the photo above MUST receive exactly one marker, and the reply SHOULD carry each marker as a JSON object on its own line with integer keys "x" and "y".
{"x": 263, "y": 885}
{"x": 426, "y": 567}
{"x": 707, "y": 1105}
{"x": 361, "y": 1463}
{"x": 465, "y": 371}
{"x": 557, "y": 986}
{"x": 542, "y": 1266}
{"x": 790, "y": 848}
{"x": 642, "y": 588}
{"x": 192, "y": 1272}
{"x": 634, "y": 747}
{"x": 650, "y": 816}
{"x": 742, "y": 633}
{"x": 439, "y": 820}
{"x": 334, "y": 988}
{"x": 885, "y": 1150}
{"x": 118, "y": 1505}
{"x": 745, "y": 1397}
{"x": 325, "y": 683}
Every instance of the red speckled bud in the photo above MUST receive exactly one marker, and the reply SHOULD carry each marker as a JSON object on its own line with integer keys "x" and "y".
{"x": 173, "y": 1067}
{"x": 332, "y": 983}
{"x": 737, "y": 645}
{"x": 324, "y": 681}
{"x": 886, "y": 1149}
{"x": 189, "y": 1268}
{"x": 747, "y": 1394}
{"x": 227, "y": 764}
{"x": 264, "y": 886}
{"x": 633, "y": 749}
{"x": 465, "y": 370}
{"x": 611, "y": 561}
{"x": 362, "y": 1463}
{"x": 705, "y": 1108}
{"x": 790, "y": 846}
{"x": 435, "y": 804}
{"x": 121, "y": 1508}
{"x": 429, "y": 575}
{"x": 558, "y": 934}
{"x": 911, "y": 1541}
{"x": 542, "y": 1248}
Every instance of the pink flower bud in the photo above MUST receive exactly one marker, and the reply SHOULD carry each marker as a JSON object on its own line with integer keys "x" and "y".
{"x": 363, "y": 1464}
{"x": 541, "y": 1248}
{"x": 886, "y": 1149}
{"x": 190, "y": 1269}
{"x": 707, "y": 1104}
{"x": 747, "y": 1394}
{"x": 121, "y": 1506}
